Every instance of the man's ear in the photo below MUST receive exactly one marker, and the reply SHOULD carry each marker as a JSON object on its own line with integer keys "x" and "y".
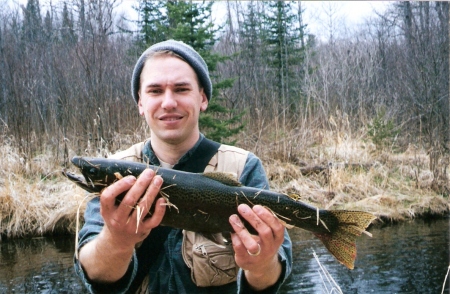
{"x": 204, "y": 104}
{"x": 141, "y": 109}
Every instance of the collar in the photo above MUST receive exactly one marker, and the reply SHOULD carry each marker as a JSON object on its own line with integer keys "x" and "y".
{"x": 149, "y": 156}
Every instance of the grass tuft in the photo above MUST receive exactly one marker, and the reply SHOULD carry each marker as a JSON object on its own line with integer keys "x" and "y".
{"x": 35, "y": 199}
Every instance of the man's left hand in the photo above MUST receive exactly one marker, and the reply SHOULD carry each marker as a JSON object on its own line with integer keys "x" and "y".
{"x": 257, "y": 255}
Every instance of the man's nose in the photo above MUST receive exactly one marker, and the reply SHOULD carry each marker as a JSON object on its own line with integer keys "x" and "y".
{"x": 169, "y": 100}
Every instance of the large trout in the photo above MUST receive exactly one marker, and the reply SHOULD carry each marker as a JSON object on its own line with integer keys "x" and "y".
{"x": 203, "y": 202}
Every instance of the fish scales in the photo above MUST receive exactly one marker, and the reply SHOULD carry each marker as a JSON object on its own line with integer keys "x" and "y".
{"x": 204, "y": 202}
{"x": 218, "y": 201}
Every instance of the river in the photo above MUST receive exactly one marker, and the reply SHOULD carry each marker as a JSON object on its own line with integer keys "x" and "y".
{"x": 410, "y": 257}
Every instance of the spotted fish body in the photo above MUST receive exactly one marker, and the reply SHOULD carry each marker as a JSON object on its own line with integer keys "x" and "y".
{"x": 204, "y": 202}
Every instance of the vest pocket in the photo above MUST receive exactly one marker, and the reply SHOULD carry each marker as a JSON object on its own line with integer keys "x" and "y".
{"x": 211, "y": 264}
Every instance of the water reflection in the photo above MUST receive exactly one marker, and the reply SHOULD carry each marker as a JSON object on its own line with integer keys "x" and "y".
{"x": 38, "y": 265}
{"x": 410, "y": 257}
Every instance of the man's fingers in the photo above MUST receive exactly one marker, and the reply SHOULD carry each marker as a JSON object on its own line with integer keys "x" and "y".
{"x": 128, "y": 203}
{"x": 158, "y": 214}
{"x": 243, "y": 241}
{"x": 273, "y": 224}
{"x": 110, "y": 193}
{"x": 150, "y": 195}
{"x": 253, "y": 219}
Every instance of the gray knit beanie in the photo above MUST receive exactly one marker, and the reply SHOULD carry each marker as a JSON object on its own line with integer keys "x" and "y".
{"x": 186, "y": 52}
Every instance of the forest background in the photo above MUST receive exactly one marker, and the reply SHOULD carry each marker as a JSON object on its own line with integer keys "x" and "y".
{"x": 353, "y": 121}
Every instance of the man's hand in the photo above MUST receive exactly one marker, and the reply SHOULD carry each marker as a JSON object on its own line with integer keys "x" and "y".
{"x": 126, "y": 221}
{"x": 106, "y": 258}
{"x": 257, "y": 255}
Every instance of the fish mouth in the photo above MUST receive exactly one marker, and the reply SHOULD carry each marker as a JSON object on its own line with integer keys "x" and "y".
{"x": 74, "y": 177}
{"x": 80, "y": 180}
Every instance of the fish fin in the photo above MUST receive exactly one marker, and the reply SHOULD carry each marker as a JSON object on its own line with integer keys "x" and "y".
{"x": 294, "y": 196}
{"x": 229, "y": 179}
{"x": 341, "y": 242}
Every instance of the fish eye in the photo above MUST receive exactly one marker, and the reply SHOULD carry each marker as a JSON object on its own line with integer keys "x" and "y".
{"x": 93, "y": 171}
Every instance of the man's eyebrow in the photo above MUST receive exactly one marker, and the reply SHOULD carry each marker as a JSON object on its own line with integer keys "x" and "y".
{"x": 179, "y": 84}
{"x": 152, "y": 85}
{"x": 182, "y": 84}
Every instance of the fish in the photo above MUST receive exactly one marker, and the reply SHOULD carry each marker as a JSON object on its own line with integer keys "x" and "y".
{"x": 203, "y": 202}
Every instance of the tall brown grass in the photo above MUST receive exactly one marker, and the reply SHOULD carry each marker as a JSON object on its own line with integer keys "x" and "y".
{"x": 35, "y": 199}
{"x": 395, "y": 184}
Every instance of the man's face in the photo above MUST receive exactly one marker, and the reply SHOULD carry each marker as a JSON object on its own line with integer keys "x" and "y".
{"x": 170, "y": 99}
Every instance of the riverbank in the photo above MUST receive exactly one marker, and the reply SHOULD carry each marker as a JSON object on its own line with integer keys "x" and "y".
{"x": 35, "y": 199}
{"x": 337, "y": 171}
{"x": 343, "y": 173}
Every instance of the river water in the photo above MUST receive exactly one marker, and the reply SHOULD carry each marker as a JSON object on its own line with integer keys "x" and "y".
{"x": 410, "y": 257}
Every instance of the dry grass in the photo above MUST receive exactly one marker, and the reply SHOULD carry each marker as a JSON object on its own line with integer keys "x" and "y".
{"x": 394, "y": 186}
{"x": 35, "y": 199}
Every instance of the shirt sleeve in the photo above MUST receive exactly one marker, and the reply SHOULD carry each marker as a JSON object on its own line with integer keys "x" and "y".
{"x": 254, "y": 175}
{"x": 92, "y": 227}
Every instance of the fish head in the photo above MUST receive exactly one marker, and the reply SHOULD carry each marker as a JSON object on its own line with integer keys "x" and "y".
{"x": 94, "y": 177}
{"x": 89, "y": 168}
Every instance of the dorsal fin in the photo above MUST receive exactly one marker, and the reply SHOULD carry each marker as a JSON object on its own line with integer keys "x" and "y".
{"x": 229, "y": 179}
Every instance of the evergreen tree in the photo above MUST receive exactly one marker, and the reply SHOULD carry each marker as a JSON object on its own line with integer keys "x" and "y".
{"x": 283, "y": 51}
{"x": 251, "y": 47}
{"x": 190, "y": 22}
{"x": 32, "y": 30}
{"x": 151, "y": 23}
{"x": 48, "y": 26}
{"x": 82, "y": 19}
{"x": 250, "y": 34}
{"x": 67, "y": 31}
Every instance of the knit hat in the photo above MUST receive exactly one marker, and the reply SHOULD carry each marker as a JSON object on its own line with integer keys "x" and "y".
{"x": 186, "y": 52}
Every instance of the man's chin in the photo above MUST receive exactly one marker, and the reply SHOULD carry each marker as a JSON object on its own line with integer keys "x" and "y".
{"x": 171, "y": 137}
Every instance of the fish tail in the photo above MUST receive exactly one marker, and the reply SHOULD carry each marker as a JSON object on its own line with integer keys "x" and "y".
{"x": 341, "y": 241}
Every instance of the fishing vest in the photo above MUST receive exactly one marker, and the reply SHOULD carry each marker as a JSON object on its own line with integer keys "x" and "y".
{"x": 211, "y": 263}
{"x": 227, "y": 159}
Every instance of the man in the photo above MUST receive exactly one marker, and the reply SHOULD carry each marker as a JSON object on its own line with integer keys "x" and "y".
{"x": 171, "y": 86}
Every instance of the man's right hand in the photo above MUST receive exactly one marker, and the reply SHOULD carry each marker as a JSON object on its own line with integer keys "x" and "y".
{"x": 121, "y": 218}
{"x": 106, "y": 258}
